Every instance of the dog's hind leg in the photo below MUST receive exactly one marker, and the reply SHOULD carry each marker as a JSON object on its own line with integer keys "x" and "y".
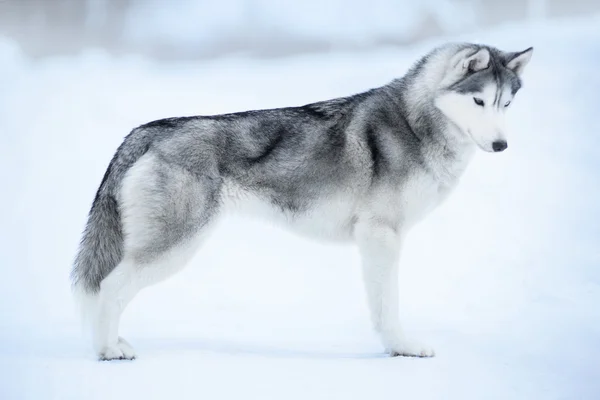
{"x": 116, "y": 291}
{"x": 123, "y": 284}
{"x": 379, "y": 245}
{"x": 166, "y": 213}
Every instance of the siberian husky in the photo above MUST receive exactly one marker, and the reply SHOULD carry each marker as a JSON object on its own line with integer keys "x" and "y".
{"x": 363, "y": 168}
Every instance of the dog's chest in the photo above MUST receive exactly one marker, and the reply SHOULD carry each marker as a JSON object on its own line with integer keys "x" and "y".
{"x": 421, "y": 193}
{"x": 430, "y": 186}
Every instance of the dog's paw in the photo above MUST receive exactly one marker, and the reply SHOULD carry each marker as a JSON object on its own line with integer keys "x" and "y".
{"x": 407, "y": 348}
{"x": 121, "y": 351}
{"x": 126, "y": 348}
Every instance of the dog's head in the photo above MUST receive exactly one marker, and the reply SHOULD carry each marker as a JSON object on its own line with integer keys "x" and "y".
{"x": 477, "y": 89}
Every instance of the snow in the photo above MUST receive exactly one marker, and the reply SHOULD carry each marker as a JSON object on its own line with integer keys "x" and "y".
{"x": 502, "y": 280}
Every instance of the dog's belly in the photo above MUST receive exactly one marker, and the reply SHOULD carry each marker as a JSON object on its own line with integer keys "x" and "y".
{"x": 328, "y": 218}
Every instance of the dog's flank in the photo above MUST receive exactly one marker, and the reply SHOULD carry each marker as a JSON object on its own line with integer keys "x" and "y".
{"x": 363, "y": 168}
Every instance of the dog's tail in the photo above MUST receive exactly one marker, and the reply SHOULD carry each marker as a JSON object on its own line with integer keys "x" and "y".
{"x": 100, "y": 250}
{"x": 102, "y": 244}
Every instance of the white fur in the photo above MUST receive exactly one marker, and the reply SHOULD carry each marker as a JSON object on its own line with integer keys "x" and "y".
{"x": 378, "y": 234}
{"x": 379, "y": 245}
{"x": 377, "y": 218}
{"x": 131, "y": 276}
{"x": 484, "y": 125}
{"x": 377, "y": 222}
{"x": 382, "y": 219}
{"x": 330, "y": 218}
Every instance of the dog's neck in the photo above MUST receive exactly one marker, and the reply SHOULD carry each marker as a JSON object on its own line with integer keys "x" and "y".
{"x": 448, "y": 153}
{"x": 442, "y": 140}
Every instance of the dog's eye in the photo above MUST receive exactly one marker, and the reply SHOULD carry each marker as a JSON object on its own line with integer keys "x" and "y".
{"x": 478, "y": 101}
{"x": 507, "y": 104}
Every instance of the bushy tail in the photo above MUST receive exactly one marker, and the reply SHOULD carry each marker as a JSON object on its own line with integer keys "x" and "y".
{"x": 100, "y": 251}
{"x": 101, "y": 247}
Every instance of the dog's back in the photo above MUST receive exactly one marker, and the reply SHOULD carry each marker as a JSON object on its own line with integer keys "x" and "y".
{"x": 362, "y": 168}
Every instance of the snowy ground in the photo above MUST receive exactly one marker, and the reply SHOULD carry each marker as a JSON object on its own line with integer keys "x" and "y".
{"x": 502, "y": 280}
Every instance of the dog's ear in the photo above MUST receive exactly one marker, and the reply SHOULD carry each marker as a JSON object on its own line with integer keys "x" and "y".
{"x": 518, "y": 60}
{"x": 467, "y": 60}
{"x": 477, "y": 61}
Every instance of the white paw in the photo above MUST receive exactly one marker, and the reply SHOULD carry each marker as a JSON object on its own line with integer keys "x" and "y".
{"x": 398, "y": 344}
{"x": 407, "y": 348}
{"x": 121, "y": 351}
{"x": 126, "y": 348}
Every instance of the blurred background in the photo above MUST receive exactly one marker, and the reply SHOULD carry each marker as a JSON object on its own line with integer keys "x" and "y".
{"x": 193, "y": 29}
{"x": 503, "y": 279}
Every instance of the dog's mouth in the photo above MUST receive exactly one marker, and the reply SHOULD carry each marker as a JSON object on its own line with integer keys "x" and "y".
{"x": 487, "y": 149}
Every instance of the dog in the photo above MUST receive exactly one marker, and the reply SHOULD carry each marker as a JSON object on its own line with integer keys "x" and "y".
{"x": 363, "y": 169}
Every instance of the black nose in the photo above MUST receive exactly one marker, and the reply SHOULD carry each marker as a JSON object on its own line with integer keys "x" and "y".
{"x": 499, "y": 145}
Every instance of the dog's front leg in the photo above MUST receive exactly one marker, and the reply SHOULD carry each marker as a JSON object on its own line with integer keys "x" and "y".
{"x": 379, "y": 246}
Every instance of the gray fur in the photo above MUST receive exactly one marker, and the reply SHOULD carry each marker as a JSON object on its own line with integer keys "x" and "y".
{"x": 364, "y": 168}
{"x": 497, "y": 71}
{"x": 101, "y": 247}
{"x": 290, "y": 157}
